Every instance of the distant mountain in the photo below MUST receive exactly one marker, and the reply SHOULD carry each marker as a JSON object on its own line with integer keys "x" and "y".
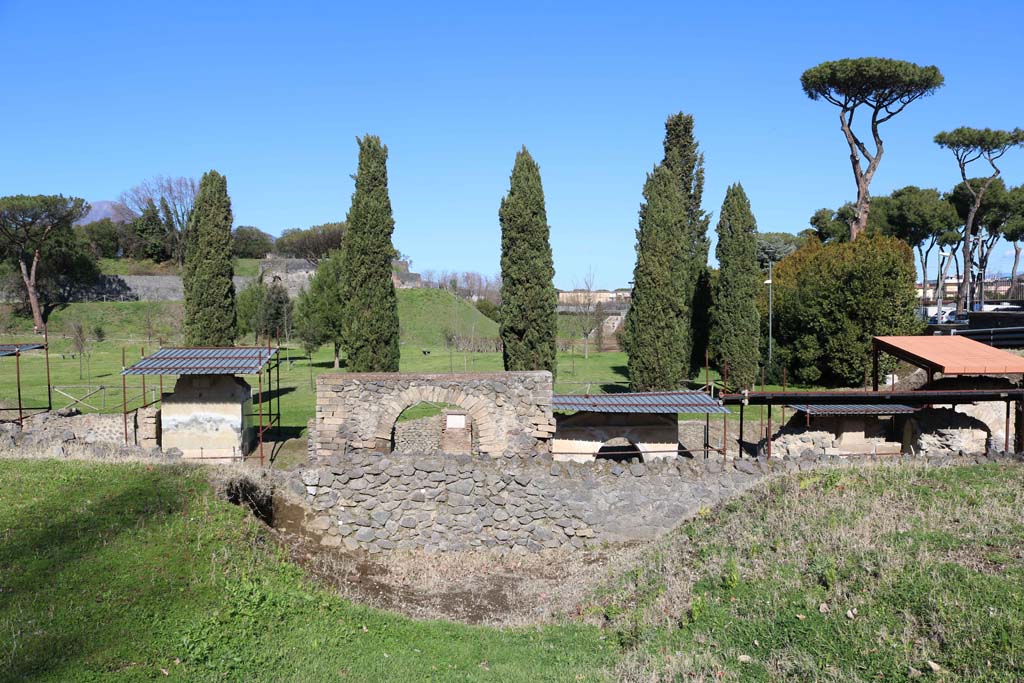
{"x": 98, "y": 210}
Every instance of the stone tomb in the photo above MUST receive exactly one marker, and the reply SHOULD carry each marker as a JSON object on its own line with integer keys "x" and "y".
{"x": 586, "y": 436}
{"x": 506, "y": 413}
{"x": 208, "y": 417}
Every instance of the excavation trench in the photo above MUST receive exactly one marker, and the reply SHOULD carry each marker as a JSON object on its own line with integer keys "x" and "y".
{"x": 473, "y": 586}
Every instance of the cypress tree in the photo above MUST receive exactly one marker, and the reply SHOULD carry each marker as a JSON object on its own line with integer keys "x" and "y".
{"x": 320, "y": 313}
{"x": 209, "y": 290}
{"x": 170, "y": 231}
{"x": 685, "y": 160}
{"x": 528, "y": 319}
{"x": 735, "y": 321}
{"x": 654, "y": 336}
{"x": 149, "y": 233}
{"x": 370, "y": 313}
{"x": 274, "y": 316}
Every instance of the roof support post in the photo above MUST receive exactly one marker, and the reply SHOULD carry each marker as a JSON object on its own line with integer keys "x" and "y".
{"x": 49, "y": 386}
{"x": 124, "y": 397}
{"x": 1006, "y": 431}
{"x": 17, "y": 370}
{"x": 874, "y": 365}
{"x": 1018, "y": 426}
{"x": 739, "y": 441}
{"x": 260, "y": 396}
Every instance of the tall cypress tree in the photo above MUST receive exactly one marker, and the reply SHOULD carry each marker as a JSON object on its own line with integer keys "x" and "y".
{"x": 685, "y": 160}
{"x": 150, "y": 233}
{"x": 209, "y": 290}
{"x": 735, "y": 321}
{"x": 528, "y": 315}
{"x": 654, "y": 335}
{"x": 320, "y": 312}
{"x": 370, "y": 317}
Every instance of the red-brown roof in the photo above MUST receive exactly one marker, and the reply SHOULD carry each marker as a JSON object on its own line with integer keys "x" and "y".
{"x": 953, "y": 355}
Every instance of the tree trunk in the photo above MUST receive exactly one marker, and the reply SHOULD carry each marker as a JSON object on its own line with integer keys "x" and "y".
{"x": 924, "y": 275}
{"x": 29, "y": 276}
{"x": 965, "y": 280}
{"x": 1016, "y": 262}
{"x": 940, "y": 285}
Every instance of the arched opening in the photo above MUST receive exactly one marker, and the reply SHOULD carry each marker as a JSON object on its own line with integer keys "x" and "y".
{"x": 423, "y": 426}
{"x": 619, "y": 449}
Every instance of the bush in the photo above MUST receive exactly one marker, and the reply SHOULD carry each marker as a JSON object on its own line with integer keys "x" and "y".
{"x": 250, "y": 242}
{"x": 831, "y": 300}
{"x": 98, "y": 333}
{"x": 488, "y": 308}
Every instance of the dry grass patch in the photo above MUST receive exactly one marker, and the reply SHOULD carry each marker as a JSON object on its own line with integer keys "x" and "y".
{"x": 837, "y": 575}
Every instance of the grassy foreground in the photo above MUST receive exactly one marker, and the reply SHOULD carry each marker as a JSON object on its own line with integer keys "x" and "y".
{"x": 897, "y": 574}
{"x": 130, "y": 572}
{"x": 133, "y": 573}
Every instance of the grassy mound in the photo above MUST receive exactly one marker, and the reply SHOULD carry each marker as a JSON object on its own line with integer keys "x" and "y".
{"x": 891, "y": 574}
{"x": 125, "y": 573}
{"x": 427, "y": 315}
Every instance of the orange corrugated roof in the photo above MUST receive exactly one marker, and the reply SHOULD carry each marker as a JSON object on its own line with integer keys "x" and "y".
{"x": 953, "y": 355}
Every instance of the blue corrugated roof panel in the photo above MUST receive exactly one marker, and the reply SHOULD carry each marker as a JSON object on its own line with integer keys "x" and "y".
{"x": 648, "y": 402}
{"x": 867, "y": 409}
{"x": 11, "y": 349}
{"x": 231, "y": 360}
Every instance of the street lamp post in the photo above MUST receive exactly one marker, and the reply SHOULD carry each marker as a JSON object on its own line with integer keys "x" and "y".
{"x": 770, "y": 306}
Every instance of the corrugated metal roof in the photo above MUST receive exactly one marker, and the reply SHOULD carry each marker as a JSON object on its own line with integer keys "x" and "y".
{"x": 851, "y": 409}
{"x": 11, "y": 349}
{"x": 231, "y": 360}
{"x": 649, "y": 402}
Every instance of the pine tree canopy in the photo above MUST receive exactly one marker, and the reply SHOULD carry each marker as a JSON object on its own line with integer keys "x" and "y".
{"x": 209, "y": 290}
{"x": 735, "y": 321}
{"x": 655, "y": 336}
{"x": 370, "y": 328}
{"x": 528, "y": 318}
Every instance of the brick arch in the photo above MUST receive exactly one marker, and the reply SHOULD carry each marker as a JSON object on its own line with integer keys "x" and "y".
{"x": 477, "y": 411}
{"x": 511, "y": 411}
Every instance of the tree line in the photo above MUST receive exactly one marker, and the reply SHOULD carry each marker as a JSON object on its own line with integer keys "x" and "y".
{"x": 848, "y": 278}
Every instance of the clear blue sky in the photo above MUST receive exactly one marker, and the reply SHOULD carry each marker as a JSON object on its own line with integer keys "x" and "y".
{"x": 98, "y": 96}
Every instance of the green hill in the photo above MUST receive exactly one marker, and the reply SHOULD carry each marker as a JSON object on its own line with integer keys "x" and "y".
{"x": 427, "y": 315}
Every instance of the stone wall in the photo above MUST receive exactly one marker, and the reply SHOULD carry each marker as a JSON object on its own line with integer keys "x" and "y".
{"x": 123, "y": 288}
{"x": 437, "y": 504}
{"x": 95, "y": 428}
{"x": 418, "y": 436}
{"x": 510, "y": 411}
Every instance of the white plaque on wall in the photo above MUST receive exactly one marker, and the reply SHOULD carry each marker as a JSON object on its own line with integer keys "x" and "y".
{"x": 456, "y": 422}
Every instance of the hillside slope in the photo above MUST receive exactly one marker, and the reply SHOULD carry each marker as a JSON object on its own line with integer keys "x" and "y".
{"x": 426, "y": 315}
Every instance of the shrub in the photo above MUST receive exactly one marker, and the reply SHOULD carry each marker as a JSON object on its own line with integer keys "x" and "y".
{"x": 831, "y": 300}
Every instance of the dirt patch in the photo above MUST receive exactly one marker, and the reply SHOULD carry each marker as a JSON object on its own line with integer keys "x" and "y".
{"x": 474, "y": 587}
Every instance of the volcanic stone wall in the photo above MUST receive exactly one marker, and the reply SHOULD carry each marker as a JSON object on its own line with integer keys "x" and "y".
{"x": 448, "y": 503}
{"x": 510, "y": 411}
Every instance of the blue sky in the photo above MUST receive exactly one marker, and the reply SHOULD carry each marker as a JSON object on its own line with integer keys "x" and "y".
{"x": 100, "y": 95}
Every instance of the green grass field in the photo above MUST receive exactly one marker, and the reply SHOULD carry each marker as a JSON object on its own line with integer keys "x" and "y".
{"x": 135, "y": 572}
{"x": 246, "y": 267}
{"x": 126, "y": 572}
